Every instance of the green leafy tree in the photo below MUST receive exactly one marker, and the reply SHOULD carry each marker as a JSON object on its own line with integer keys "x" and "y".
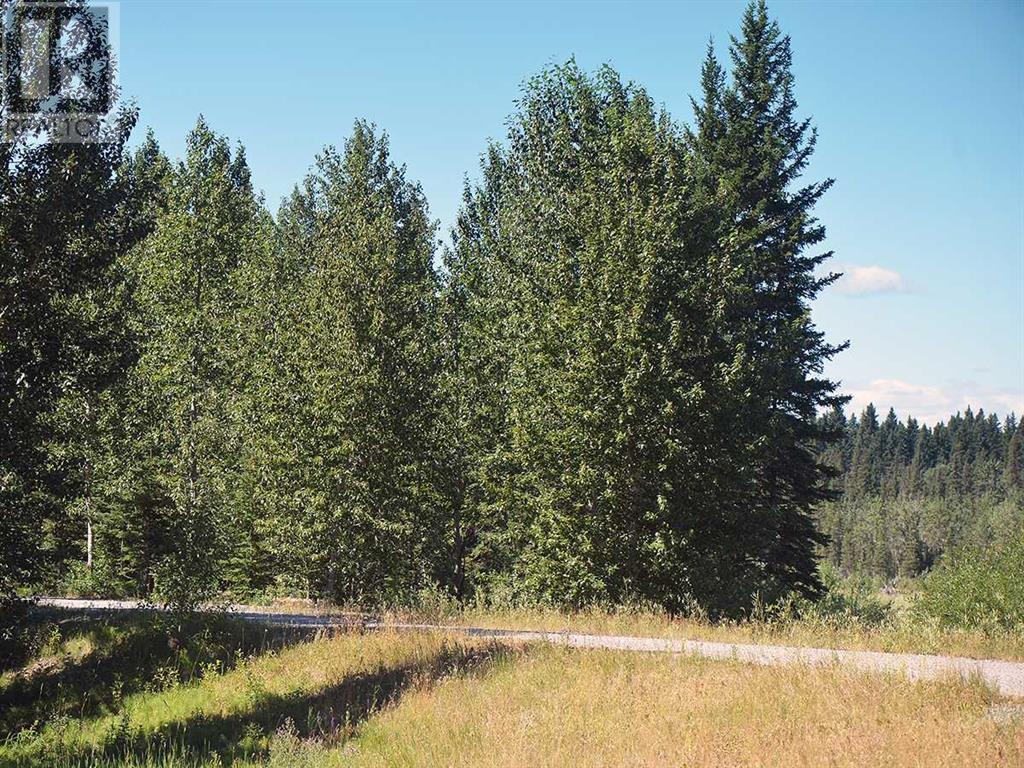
{"x": 60, "y": 238}
{"x": 178, "y": 475}
{"x": 594, "y": 214}
{"x": 354, "y": 504}
{"x": 477, "y": 311}
{"x": 125, "y": 533}
{"x": 606, "y": 427}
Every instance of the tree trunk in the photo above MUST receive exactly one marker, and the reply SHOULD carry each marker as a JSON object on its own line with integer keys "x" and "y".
{"x": 88, "y": 543}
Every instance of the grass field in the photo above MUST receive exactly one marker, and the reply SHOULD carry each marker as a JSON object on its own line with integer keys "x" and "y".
{"x": 384, "y": 699}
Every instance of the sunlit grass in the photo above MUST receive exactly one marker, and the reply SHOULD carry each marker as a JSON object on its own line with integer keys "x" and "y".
{"x": 557, "y": 707}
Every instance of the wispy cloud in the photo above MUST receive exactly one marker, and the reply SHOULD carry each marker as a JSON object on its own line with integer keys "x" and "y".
{"x": 931, "y": 404}
{"x": 867, "y": 280}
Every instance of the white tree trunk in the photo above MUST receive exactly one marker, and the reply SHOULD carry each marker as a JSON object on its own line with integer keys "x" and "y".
{"x": 88, "y": 543}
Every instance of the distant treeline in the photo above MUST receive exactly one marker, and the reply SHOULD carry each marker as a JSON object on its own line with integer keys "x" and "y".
{"x": 911, "y": 492}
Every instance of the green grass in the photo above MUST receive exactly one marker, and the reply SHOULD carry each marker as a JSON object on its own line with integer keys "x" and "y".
{"x": 83, "y": 666}
{"x": 322, "y": 689}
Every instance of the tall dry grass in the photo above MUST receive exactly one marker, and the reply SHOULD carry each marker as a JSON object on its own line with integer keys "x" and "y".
{"x": 896, "y": 634}
{"x": 557, "y": 707}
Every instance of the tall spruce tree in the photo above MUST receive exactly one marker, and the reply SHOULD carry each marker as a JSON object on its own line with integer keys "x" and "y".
{"x": 1014, "y": 472}
{"x": 750, "y": 151}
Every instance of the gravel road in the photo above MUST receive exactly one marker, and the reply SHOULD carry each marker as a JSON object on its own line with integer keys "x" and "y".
{"x": 1005, "y": 677}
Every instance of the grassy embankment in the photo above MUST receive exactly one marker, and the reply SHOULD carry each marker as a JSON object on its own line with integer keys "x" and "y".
{"x": 409, "y": 699}
{"x": 224, "y": 710}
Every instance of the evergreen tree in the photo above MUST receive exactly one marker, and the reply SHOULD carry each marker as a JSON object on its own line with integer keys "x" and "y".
{"x": 1014, "y": 473}
{"x": 751, "y": 151}
{"x": 904, "y": 510}
{"x": 864, "y": 471}
{"x": 613, "y": 392}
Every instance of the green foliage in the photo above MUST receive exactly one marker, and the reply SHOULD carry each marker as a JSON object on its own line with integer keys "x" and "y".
{"x": 16, "y": 640}
{"x": 177, "y": 466}
{"x": 61, "y": 234}
{"x": 750, "y": 151}
{"x": 346, "y": 450}
{"x": 608, "y": 396}
{"x": 633, "y": 377}
{"x": 978, "y": 589}
{"x": 852, "y": 601}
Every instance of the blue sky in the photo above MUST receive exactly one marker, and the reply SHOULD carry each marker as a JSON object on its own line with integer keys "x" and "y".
{"x": 920, "y": 109}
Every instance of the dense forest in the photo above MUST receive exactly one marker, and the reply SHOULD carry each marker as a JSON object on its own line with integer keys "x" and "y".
{"x": 606, "y": 387}
{"x": 911, "y": 492}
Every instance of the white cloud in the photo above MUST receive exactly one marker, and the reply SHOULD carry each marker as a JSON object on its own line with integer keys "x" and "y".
{"x": 862, "y": 281}
{"x": 931, "y": 404}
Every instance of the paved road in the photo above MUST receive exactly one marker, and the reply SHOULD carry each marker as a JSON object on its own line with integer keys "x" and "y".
{"x": 1006, "y": 677}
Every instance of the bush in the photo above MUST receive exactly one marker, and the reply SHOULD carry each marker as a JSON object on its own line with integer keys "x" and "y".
{"x": 15, "y": 637}
{"x": 978, "y": 589}
{"x": 853, "y": 600}
{"x": 845, "y": 603}
{"x": 82, "y": 581}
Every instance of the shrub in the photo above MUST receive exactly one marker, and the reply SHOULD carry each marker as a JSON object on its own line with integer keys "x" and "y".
{"x": 850, "y": 601}
{"x": 978, "y": 589}
{"x": 15, "y": 639}
{"x": 844, "y": 603}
